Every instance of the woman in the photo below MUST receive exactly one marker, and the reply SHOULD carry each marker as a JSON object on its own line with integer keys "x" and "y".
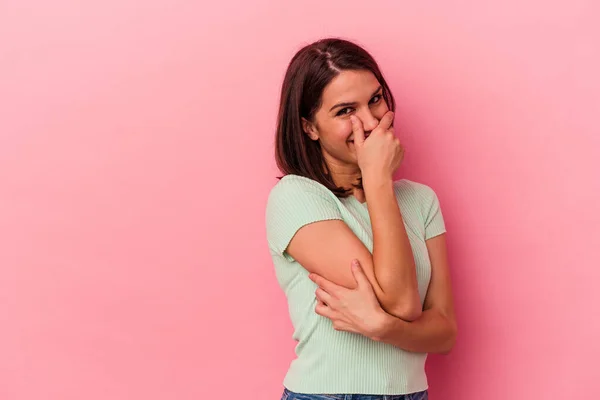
{"x": 361, "y": 257}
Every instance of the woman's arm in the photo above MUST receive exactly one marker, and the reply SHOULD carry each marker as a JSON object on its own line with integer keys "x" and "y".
{"x": 435, "y": 331}
{"x": 356, "y": 311}
{"x": 393, "y": 259}
{"x": 327, "y": 248}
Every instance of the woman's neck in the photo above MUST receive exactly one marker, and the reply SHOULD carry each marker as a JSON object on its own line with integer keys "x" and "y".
{"x": 346, "y": 176}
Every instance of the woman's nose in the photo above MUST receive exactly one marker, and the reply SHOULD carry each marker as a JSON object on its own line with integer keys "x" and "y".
{"x": 369, "y": 121}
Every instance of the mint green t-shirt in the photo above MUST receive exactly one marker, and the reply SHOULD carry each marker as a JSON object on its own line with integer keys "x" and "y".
{"x": 330, "y": 361}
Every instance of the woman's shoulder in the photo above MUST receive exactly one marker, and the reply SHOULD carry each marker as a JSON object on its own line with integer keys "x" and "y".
{"x": 407, "y": 189}
{"x": 293, "y": 189}
{"x": 295, "y": 183}
{"x": 407, "y": 184}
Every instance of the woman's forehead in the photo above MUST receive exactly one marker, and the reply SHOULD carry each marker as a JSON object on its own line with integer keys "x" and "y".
{"x": 350, "y": 86}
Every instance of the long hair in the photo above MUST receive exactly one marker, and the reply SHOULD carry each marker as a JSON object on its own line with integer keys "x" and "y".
{"x": 309, "y": 72}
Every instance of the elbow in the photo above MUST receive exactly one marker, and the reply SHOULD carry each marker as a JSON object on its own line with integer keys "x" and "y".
{"x": 411, "y": 314}
{"x": 450, "y": 341}
{"x": 406, "y": 311}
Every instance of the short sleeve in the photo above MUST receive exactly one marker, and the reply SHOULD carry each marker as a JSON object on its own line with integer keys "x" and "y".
{"x": 434, "y": 220}
{"x": 293, "y": 203}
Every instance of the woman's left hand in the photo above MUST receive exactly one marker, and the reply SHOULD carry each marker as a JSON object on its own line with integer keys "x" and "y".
{"x": 352, "y": 310}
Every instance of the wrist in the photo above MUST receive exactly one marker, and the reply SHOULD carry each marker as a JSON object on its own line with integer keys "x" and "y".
{"x": 377, "y": 182}
{"x": 382, "y": 325}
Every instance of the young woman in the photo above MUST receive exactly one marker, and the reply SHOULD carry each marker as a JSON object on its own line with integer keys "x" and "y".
{"x": 361, "y": 257}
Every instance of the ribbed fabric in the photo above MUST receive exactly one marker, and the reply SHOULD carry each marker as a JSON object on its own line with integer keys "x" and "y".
{"x": 330, "y": 361}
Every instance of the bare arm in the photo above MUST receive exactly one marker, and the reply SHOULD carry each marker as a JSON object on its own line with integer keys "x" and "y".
{"x": 328, "y": 247}
{"x": 435, "y": 331}
{"x": 393, "y": 259}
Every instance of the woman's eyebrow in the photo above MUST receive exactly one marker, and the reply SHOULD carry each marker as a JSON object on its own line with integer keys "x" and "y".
{"x": 352, "y": 103}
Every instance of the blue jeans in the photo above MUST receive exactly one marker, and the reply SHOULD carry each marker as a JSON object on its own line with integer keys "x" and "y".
{"x": 288, "y": 395}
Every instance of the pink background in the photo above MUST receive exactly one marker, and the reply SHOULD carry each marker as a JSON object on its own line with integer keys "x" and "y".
{"x": 136, "y": 156}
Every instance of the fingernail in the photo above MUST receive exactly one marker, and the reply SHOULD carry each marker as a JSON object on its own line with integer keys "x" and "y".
{"x": 355, "y": 263}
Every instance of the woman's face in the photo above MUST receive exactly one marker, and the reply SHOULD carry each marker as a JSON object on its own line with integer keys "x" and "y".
{"x": 351, "y": 92}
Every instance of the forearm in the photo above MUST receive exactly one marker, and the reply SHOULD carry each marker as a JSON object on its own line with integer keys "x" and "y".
{"x": 393, "y": 261}
{"x": 433, "y": 332}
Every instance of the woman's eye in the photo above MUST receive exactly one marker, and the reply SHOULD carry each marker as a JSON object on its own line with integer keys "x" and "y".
{"x": 348, "y": 110}
{"x": 376, "y": 98}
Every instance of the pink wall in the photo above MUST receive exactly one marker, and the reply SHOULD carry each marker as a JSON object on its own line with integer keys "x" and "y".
{"x": 136, "y": 157}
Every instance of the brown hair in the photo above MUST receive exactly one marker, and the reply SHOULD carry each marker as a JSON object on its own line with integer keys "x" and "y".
{"x": 309, "y": 72}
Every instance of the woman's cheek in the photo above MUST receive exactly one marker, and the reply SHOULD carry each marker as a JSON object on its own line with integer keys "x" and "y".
{"x": 345, "y": 130}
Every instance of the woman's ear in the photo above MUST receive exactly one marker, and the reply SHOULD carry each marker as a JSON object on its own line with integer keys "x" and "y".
{"x": 310, "y": 129}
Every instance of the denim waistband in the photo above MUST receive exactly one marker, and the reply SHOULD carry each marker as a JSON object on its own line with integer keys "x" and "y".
{"x": 289, "y": 395}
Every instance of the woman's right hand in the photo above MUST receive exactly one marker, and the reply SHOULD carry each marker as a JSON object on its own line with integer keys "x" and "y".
{"x": 381, "y": 153}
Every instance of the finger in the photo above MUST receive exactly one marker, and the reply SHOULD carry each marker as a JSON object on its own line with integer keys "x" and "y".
{"x": 323, "y": 296}
{"x": 357, "y": 129}
{"x": 322, "y": 310}
{"x": 386, "y": 121}
{"x": 359, "y": 274}
{"x": 323, "y": 283}
{"x": 341, "y": 326}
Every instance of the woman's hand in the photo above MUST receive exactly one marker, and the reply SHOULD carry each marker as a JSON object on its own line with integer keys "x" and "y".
{"x": 380, "y": 155}
{"x": 352, "y": 310}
